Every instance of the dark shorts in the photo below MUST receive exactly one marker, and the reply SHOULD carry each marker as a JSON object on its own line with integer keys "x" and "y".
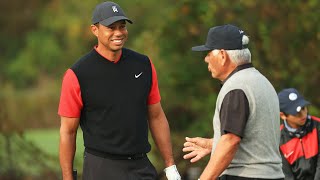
{"x": 228, "y": 177}
{"x": 99, "y": 168}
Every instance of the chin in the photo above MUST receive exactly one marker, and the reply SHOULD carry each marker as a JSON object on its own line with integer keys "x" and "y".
{"x": 302, "y": 123}
{"x": 117, "y": 49}
{"x": 213, "y": 76}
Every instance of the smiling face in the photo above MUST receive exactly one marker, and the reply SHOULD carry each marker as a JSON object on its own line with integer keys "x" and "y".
{"x": 111, "y": 38}
{"x": 298, "y": 120}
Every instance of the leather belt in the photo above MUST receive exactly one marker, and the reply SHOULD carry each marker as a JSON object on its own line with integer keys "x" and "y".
{"x": 116, "y": 156}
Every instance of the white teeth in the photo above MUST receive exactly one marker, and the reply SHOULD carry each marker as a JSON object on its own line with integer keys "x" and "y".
{"x": 117, "y": 41}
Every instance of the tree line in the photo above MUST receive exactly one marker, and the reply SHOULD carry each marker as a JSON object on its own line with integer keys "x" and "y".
{"x": 41, "y": 39}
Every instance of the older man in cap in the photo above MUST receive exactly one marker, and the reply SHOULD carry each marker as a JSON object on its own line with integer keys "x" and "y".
{"x": 112, "y": 92}
{"x": 299, "y": 144}
{"x": 245, "y": 144}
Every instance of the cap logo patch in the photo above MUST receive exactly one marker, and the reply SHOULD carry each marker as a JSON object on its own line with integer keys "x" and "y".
{"x": 114, "y": 8}
{"x": 298, "y": 108}
{"x": 293, "y": 96}
{"x": 240, "y": 31}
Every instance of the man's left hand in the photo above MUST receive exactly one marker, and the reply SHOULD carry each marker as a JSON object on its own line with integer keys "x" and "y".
{"x": 172, "y": 173}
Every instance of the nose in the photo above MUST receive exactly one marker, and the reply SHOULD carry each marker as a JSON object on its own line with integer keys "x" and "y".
{"x": 206, "y": 59}
{"x": 118, "y": 31}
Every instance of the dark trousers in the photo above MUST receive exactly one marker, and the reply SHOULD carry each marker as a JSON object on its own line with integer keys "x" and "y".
{"x": 228, "y": 177}
{"x": 99, "y": 168}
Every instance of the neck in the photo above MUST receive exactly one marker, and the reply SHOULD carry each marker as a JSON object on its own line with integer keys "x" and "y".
{"x": 289, "y": 127}
{"x": 108, "y": 54}
{"x": 229, "y": 70}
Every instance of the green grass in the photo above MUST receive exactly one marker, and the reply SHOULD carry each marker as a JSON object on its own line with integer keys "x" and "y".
{"x": 48, "y": 141}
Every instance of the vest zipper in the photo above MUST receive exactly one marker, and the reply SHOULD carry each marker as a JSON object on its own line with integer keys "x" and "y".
{"x": 302, "y": 147}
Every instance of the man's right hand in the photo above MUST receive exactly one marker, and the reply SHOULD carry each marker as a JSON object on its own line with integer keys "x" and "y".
{"x": 197, "y": 147}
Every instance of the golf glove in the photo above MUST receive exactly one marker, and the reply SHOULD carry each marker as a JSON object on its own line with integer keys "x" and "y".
{"x": 172, "y": 173}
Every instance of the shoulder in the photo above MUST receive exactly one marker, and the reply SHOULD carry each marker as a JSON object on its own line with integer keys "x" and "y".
{"x": 128, "y": 53}
{"x": 242, "y": 77}
{"x": 315, "y": 119}
{"x": 316, "y": 122}
{"x": 84, "y": 59}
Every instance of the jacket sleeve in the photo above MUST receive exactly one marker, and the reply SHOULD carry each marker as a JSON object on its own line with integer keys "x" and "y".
{"x": 317, "y": 175}
{"x": 286, "y": 168}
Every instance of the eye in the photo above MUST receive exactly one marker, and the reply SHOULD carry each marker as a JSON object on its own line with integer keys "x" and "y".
{"x": 123, "y": 26}
{"x": 112, "y": 27}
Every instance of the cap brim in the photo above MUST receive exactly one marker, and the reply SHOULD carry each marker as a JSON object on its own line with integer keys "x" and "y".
{"x": 113, "y": 19}
{"x": 301, "y": 103}
{"x": 200, "y": 48}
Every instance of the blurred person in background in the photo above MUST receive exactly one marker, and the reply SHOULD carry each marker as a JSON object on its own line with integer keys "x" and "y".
{"x": 112, "y": 92}
{"x": 299, "y": 143}
{"x": 245, "y": 144}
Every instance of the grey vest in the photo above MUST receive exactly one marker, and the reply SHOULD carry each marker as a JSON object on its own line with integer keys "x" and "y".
{"x": 258, "y": 154}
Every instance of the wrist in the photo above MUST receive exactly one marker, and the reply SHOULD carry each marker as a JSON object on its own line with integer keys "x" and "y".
{"x": 168, "y": 168}
{"x": 169, "y": 163}
{"x": 209, "y": 143}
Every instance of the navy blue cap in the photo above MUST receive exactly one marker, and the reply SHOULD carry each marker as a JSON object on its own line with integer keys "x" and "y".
{"x": 291, "y": 101}
{"x": 227, "y": 37}
{"x": 107, "y": 13}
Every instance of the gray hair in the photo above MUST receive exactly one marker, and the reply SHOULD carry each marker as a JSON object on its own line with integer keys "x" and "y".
{"x": 240, "y": 56}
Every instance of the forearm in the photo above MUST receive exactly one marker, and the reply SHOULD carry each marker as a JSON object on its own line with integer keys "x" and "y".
{"x": 67, "y": 150}
{"x": 221, "y": 157}
{"x": 161, "y": 135}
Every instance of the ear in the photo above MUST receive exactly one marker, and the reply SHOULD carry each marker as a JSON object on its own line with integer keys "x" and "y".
{"x": 94, "y": 30}
{"x": 283, "y": 116}
{"x": 223, "y": 57}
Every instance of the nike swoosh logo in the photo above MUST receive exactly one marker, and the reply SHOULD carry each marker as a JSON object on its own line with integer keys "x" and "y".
{"x": 138, "y": 75}
{"x": 289, "y": 154}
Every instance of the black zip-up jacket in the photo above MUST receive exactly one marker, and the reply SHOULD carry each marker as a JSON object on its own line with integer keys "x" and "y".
{"x": 300, "y": 151}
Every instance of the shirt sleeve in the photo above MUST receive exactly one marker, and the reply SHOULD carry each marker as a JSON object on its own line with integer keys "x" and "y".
{"x": 154, "y": 95}
{"x": 234, "y": 113}
{"x": 70, "y": 99}
{"x": 286, "y": 168}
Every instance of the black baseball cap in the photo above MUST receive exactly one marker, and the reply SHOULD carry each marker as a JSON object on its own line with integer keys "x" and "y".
{"x": 107, "y": 13}
{"x": 228, "y": 37}
{"x": 291, "y": 101}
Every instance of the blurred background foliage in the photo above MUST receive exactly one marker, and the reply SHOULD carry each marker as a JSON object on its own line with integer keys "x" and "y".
{"x": 40, "y": 39}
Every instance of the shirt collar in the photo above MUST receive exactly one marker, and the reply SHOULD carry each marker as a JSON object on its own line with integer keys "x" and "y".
{"x": 237, "y": 69}
{"x": 116, "y": 61}
{"x": 288, "y": 127}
